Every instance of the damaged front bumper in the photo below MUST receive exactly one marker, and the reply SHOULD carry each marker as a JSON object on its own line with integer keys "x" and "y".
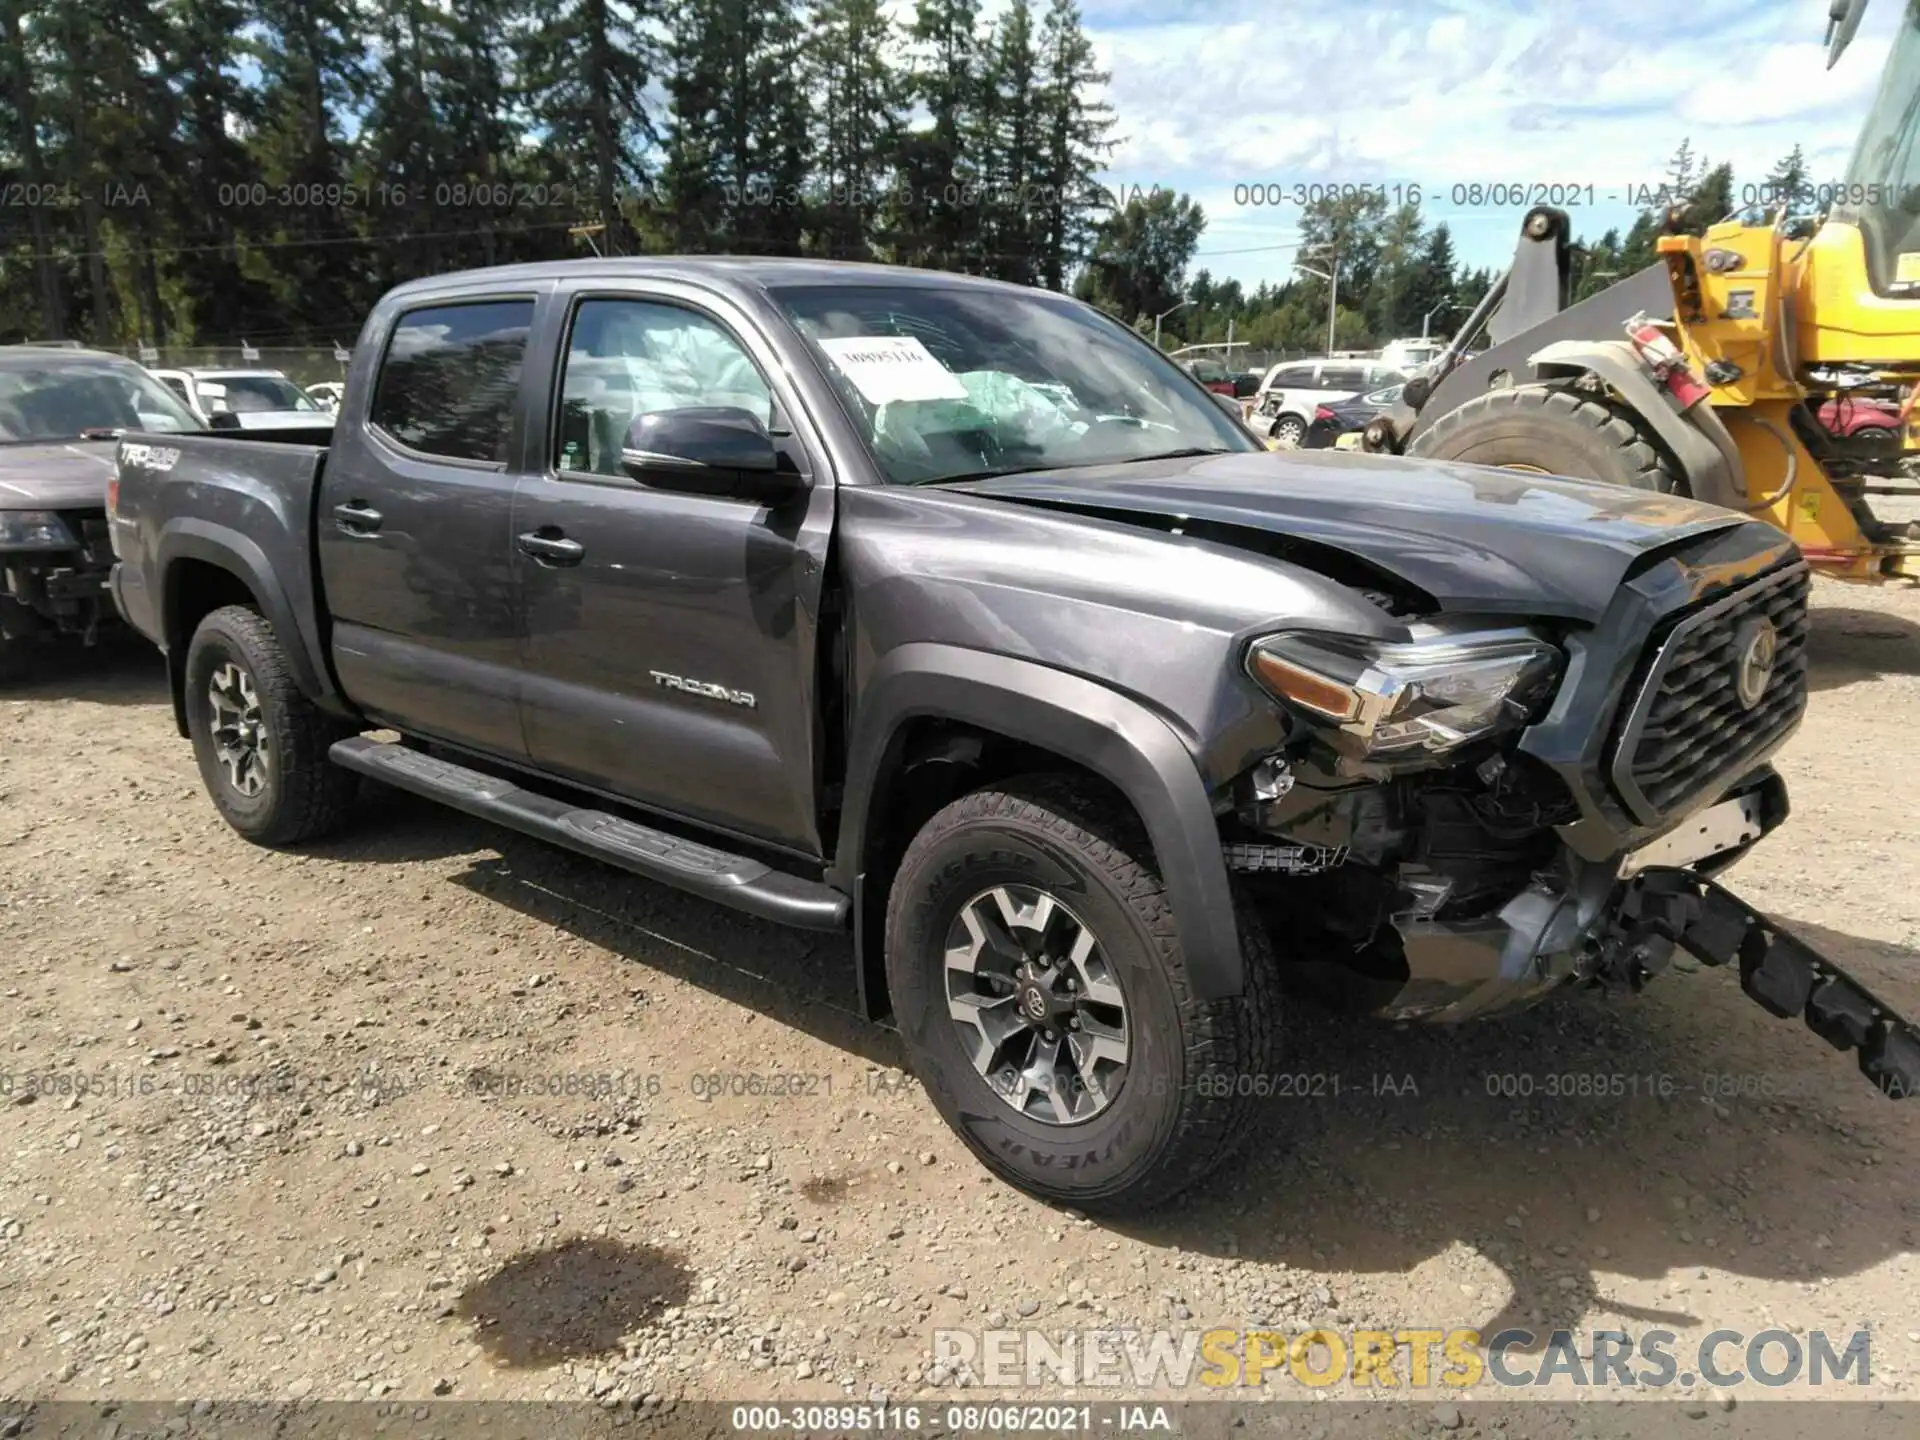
{"x": 1620, "y": 923}
{"x": 1565, "y": 925}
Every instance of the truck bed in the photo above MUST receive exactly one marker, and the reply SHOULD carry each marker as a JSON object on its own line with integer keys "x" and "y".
{"x": 218, "y": 498}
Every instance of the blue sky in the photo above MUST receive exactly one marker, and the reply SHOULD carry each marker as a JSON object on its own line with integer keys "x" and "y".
{"x": 1446, "y": 92}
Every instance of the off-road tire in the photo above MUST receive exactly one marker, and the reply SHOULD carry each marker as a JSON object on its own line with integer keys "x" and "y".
{"x": 305, "y": 796}
{"x": 1554, "y": 428}
{"x": 1198, "y": 1067}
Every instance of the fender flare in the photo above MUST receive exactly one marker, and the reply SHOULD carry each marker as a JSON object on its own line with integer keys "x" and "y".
{"x": 1695, "y": 437}
{"x": 186, "y": 538}
{"x": 1082, "y": 721}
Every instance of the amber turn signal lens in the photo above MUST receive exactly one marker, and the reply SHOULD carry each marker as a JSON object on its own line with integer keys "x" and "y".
{"x": 1305, "y": 687}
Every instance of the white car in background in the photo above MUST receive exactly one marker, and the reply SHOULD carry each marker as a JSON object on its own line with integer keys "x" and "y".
{"x": 1292, "y": 390}
{"x": 249, "y": 398}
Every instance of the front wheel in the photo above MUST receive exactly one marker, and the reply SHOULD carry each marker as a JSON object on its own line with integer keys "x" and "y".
{"x": 1037, "y": 974}
{"x": 260, "y": 743}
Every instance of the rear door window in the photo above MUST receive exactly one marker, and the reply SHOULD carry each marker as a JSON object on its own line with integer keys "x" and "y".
{"x": 1343, "y": 377}
{"x": 450, "y": 378}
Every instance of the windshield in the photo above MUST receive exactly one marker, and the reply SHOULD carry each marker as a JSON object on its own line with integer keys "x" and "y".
{"x": 253, "y": 393}
{"x": 945, "y": 383}
{"x": 1882, "y": 190}
{"x": 67, "y": 399}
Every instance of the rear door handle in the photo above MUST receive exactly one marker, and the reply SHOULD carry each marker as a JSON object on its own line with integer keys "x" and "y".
{"x": 356, "y": 517}
{"x": 549, "y": 547}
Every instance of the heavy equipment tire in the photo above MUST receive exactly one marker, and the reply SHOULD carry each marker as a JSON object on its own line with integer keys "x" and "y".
{"x": 1102, "y": 959}
{"x": 1553, "y": 430}
{"x": 261, "y": 744}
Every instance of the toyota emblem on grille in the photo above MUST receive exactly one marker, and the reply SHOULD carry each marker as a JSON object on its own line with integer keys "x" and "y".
{"x": 1754, "y": 648}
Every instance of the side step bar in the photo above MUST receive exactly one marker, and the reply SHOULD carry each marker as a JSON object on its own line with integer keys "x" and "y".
{"x": 1784, "y": 975}
{"x": 736, "y": 880}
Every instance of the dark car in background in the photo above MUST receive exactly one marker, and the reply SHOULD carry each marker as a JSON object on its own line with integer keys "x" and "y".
{"x": 61, "y": 410}
{"x": 1342, "y": 417}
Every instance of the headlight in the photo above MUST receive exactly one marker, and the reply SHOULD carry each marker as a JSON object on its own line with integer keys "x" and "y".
{"x": 34, "y": 530}
{"x": 1431, "y": 694}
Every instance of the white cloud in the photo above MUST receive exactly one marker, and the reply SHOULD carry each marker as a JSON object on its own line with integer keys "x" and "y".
{"x": 1443, "y": 91}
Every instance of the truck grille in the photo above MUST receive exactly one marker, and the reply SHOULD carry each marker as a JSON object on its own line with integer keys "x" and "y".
{"x": 1690, "y": 728}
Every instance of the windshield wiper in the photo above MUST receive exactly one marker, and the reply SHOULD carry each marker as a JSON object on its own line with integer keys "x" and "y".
{"x": 969, "y": 475}
{"x": 1189, "y": 453}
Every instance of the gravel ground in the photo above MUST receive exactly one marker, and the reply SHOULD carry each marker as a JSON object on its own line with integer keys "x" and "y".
{"x": 314, "y": 1157}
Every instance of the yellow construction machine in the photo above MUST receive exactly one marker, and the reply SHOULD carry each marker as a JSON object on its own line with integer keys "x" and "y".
{"x": 1704, "y": 374}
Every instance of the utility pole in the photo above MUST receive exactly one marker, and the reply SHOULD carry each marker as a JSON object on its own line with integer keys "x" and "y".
{"x": 1332, "y": 276}
{"x": 1163, "y": 315}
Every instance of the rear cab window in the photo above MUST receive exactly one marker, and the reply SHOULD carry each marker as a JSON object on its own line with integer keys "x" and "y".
{"x": 451, "y": 376}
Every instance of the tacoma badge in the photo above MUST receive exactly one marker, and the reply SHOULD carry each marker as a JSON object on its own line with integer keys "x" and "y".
{"x": 742, "y": 698}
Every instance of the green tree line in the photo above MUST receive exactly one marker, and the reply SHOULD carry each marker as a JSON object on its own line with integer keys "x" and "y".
{"x": 1398, "y": 276}
{"x": 199, "y": 171}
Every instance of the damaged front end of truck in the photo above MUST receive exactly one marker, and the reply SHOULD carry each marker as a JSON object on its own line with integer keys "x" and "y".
{"x": 1464, "y": 821}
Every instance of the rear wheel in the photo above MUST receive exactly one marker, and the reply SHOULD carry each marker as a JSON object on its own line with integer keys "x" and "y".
{"x": 1039, "y": 982}
{"x": 1289, "y": 430}
{"x": 1550, "y": 430}
{"x": 261, "y": 744}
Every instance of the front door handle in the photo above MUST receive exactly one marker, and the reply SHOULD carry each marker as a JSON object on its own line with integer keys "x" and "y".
{"x": 549, "y": 547}
{"x": 356, "y": 517}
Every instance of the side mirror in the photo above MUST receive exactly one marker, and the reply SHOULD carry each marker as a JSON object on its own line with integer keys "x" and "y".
{"x": 718, "y": 449}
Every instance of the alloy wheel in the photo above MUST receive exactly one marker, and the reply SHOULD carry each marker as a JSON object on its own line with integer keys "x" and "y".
{"x": 1039, "y": 1011}
{"x": 239, "y": 734}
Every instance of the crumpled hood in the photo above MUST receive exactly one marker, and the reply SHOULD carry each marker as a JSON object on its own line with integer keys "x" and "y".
{"x": 59, "y": 475}
{"x": 1475, "y": 539}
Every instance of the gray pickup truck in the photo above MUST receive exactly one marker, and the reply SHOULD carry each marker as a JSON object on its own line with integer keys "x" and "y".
{"x": 954, "y": 615}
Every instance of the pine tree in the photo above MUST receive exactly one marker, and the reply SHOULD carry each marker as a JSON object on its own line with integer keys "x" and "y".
{"x": 1787, "y": 192}
{"x": 401, "y": 144}
{"x": 585, "y": 68}
{"x": 221, "y": 283}
{"x": 1711, "y": 199}
{"x": 1140, "y": 255}
{"x": 735, "y": 153}
{"x": 1012, "y": 153}
{"x": 24, "y": 108}
{"x": 309, "y": 57}
{"x": 473, "y": 102}
{"x": 1074, "y": 144}
{"x": 1600, "y": 265}
{"x": 857, "y": 117}
{"x": 928, "y": 222}
{"x": 1430, "y": 300}
{"x": 1402, "y": 248}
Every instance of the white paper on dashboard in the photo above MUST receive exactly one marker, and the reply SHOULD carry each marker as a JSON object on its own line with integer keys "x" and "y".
{"x": 887, "y": 368}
